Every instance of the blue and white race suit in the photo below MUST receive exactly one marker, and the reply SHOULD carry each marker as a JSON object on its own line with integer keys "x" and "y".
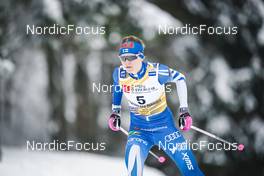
{"x": 151, "y": 120}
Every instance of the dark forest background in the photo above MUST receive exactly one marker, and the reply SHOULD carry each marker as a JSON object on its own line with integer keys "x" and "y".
{"x": 47, "y": 80}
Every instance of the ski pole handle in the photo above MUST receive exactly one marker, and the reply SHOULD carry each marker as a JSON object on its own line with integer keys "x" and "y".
{"x": 161, "y": 159}
{"x": 240, "y": 146}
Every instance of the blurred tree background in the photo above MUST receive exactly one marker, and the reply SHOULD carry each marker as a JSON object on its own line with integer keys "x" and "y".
{"x": 47, "y": 80}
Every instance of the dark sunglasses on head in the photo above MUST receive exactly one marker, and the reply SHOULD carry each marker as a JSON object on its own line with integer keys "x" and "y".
{"x": 128, "y": 58}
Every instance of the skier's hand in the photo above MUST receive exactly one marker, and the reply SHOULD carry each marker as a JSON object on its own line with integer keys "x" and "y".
{"x": 114, "y": 121}
{"x": 185, "y": 119}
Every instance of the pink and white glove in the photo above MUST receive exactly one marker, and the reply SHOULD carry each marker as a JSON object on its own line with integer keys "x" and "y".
{"x": 185, "y": 119}
{"x": 114, "y": 121}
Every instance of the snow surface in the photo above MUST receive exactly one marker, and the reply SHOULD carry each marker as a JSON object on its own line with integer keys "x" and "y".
{"x": 19, "y": 161}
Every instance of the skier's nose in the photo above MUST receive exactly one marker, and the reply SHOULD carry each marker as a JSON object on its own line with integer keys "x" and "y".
{"x": 127, "y": 62}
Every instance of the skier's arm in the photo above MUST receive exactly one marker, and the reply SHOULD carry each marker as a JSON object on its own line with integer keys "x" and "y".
{"x": 167, "y": 74}
{"x": 117, "y": 92}
{"x": 179, "y": 79}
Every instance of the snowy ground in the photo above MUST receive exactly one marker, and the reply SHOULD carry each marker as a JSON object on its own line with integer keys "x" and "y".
{"x": 19, "y": 162}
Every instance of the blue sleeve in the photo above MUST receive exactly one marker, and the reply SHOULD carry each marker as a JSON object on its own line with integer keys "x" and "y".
{"x": 117, "y": 91}
{"x": 163, "y": 74}
{"x": 166, "y": 74}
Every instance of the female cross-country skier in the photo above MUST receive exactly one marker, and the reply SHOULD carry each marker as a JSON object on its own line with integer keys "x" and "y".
{"x": 151, "y": 120}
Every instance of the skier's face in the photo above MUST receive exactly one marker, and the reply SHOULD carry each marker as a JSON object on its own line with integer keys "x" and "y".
{"x": 132, "y": 66}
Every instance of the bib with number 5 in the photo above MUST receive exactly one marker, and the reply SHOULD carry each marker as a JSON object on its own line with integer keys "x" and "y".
{"x": 146, "y": 96}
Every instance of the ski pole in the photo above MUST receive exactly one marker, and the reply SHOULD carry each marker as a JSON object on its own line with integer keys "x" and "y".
{"x": 161, "y": 159}
{"x": 240, "y": 146}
